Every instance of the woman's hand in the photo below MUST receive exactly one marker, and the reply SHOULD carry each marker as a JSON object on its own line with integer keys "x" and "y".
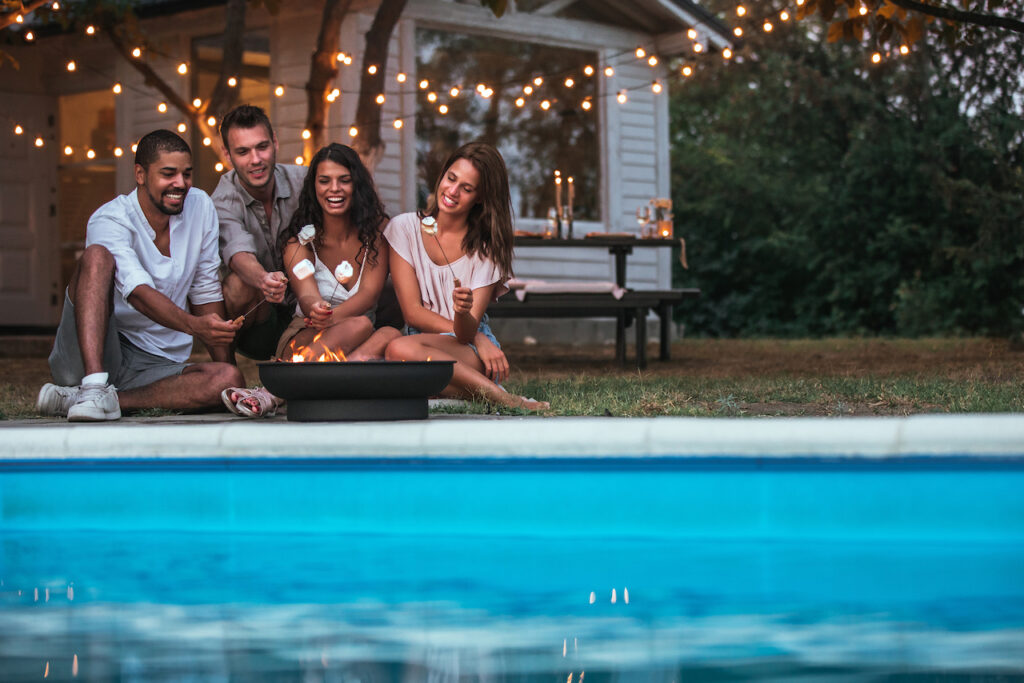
{"x": 320, "y": 315}
{"x": 493, "y": 358}
{"x": 462, "y": 298}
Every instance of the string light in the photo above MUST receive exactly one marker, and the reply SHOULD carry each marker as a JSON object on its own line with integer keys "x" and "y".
{"x": 306, "y": 134}
{"x": 652, "y": 60}
{"x": 586, "y": 105}
{"x": 904, "y": 50}
{"x": 799, "y": 3}
{"x": 640, "y": 54}
{"x": 18, "y": 130}
{"x": 55, "y": 6}
{"x": 538, "y": 81}
{"x": 348, "y": 60}
{"x": 727, "y": 53}
{"x": 118, "y": 152}
{"x": 279, "y": 91}
{"x": 784, "y": 15}
{"x": 90, "y": 30}
{"x": 90, "y": 154}
{"x": 424, "y": 84}
{"x": 398, "y": 124}
{"x": 18, "y": 19}
{"x": 232, "y": 82}
{"x": 545, "y": 105}
{"x": 454, "y": 92}
{"x": 609, "y": 71}
{"x": 211, "y": 121}
{"x": 768, "y": 27}
{"x": 621, "y": 97}
{"x": 863, "y": 10}
{"x": 431, "y": 97}
{"x": 117, "y": 88}
{"x": 740, "y": 10}
{"x": 341, "y": 57}
{"x": 687, "y": 71}
{"x": 218, "y": 167}
{"x": 443, "y": 109}
{"x": 183, "y": 68}
{"x": 520, "y": 101}
{"x": 528, "y": 89}
{"x": 692, "y": 34}
{"x": 39, "y": 142}
{"x": 29, "y": 36}
{"x": 299, "y": 160}
{"x": 135, "y": 147}
{"x": 207, "y": 141}
{"x": 569, "y": 82}
{"x": 380, "y": 98}
{"x": 71, "y": 65}
{"x": 162, "y": 107}
{"x": 137, "y": 52}
{"x": 182, "y": 127}
{"x": 486, "y": 93}
{"x": 196, "y": 103}
{"x": 353, "y": 131}
{"x": 656, "y": 87}
{"x": 697, "y": 47}
{"x": 372, "y": 69}
{"x": 68, "y": 151}
{"x": 400, "y": 77}
{"x": 876, "y": 58}
{"x": 737, "y": 31}
{"x": 588, "y": 70}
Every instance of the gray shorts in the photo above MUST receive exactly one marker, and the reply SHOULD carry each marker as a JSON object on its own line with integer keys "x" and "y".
{"x": 129, "y": 366}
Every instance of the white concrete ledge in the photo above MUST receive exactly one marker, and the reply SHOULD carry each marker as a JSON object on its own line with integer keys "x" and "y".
{"x": 941, "y": 435}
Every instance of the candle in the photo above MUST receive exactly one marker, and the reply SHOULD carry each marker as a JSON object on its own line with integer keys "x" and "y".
{"x": 558, "y": 194}
{"x": 572, "y": 193}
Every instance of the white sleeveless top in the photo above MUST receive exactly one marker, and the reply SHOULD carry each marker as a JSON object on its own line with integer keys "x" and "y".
{"x": 332, "y": 291}
{"x": 404, "y": 235}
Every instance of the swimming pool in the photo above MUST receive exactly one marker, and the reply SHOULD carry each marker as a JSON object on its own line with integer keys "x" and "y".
{"x": 667, "y": 567}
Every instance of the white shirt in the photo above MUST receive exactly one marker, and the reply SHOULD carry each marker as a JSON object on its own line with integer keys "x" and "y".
{"x": 188, "y": 274}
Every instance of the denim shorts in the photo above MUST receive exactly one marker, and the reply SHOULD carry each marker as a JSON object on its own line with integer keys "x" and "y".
{"x": 484, "y": 329}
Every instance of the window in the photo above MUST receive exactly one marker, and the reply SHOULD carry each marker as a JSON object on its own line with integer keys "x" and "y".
{"x": 534, "y": 140}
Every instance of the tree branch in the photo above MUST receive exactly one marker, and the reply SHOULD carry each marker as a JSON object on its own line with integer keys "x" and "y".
{"x": 368, "y": 113}
{"x": 8, "y": 19}
{"x": 224, "y": 96}
{"x": 961, "y": 16}
{"x": 323, "y": 68}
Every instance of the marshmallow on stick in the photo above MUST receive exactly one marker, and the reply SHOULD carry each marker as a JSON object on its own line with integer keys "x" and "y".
{"x": 306, "y": 235}
{"x": 303, "y": 269}
{"x": 343, "y": 272}
{"x": 429, "y": 227}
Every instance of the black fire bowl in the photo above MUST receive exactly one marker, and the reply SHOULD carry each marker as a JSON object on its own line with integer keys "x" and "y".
{"x": 364, "y": 390}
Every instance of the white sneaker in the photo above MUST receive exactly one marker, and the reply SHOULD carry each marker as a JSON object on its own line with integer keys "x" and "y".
{"x": 95, "y": 403}
{"x": 54, "y": 400}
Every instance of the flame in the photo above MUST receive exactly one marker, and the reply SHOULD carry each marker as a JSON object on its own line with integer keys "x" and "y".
{"x": 306, "y": 354}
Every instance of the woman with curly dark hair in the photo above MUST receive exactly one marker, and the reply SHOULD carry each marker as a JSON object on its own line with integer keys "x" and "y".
{"x": 337, "y": 229}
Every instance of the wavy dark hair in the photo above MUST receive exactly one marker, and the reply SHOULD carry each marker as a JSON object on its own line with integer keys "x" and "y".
{"x": 366, "y": 210}
{"x": 490, "y": 232}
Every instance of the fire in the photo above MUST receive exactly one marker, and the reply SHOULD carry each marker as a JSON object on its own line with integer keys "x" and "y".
{"x": 306, "y": 354}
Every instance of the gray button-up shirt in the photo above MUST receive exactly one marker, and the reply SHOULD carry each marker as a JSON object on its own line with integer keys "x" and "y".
{"x": 243, "y": 221}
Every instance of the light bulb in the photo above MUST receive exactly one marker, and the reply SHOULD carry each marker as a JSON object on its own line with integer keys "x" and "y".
{"x": 588, "y": 70}
{"x": 687, "y": 71}
{"x": 737, "y": 31}
{"x": 398, "y": 124}
{"x": 904, "y": 50}
{"x": 117, "y": 88}
{"x": 640, "y": 54}
{"x": 454, "y": 92}
{"x": 137, "y": 52}
{"x": 380, "y": 98}
{"x": 443, "y": 109}
{"x": 118, "y": 152}
{"x": 135, "y": 147}
{"x": 299, "y": 160}
{"x": 18, "y": 130}
{"x": 727, "y": 53}
{"x": 767, "y": 27}
{"x": 656, "y": 87}
{"x": 784, "y": 15}
{"x": 400, "y": 77}
{"x": 538, "y": 81}
{"x": 372, "y": 69}
{"x": 621, "y": 97}
{"x": 182, "y": 127}
{"x": 197, "y": 103}
{"x": 306, "y": 134}
{"x": 569, "y": 83}
{"x": 432, "y": 97}
{"x": 609, "y": 72}
{"x": 29, "y": 36}
{"x": 207, "y": 141}
{"x": 876, "y": 58}
{"x": 652, "y": 60}
{"x": 528, "y": 89}
{"x": 162, "y": 107}
{"x": 424, "y": 84}
{"x": 183, "y": 68}
{"x": 90, "y": 30}
{"x": 353, "y": 131}
{"x": 90, "y": 154}
{"x": 232, "y": 82}
{"x": 71, "y": 65}
{"x": 68, "y": 151}
{"x": 740, "y": 10}
{"x": 39, "y": 142}
{"x": 545, "y": 105}
{"x": 211, "y": 121}
{"x": 586, "y": 105}
{"x": 341, "y": 56}
{"x": 692, "y": 34}
{"x": 520, "y": 101}
{"x": 219, "y": 167}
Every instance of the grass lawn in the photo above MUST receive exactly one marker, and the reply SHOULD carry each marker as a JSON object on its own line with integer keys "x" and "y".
{"x": 714, "y": 377}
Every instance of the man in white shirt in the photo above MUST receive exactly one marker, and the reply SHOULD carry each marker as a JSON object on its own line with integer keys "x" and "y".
{"x": 146, "y": 284}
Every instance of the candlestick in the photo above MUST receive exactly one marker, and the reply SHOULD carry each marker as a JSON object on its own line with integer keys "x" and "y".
{"x": 558, "y": 194}
{"x": 569, "y": 206}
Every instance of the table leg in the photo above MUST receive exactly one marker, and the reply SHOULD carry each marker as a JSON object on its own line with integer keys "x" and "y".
{"x": 620, "y": 252}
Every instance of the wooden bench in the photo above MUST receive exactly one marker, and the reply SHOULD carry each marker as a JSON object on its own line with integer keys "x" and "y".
{"x": 631, "y": 309}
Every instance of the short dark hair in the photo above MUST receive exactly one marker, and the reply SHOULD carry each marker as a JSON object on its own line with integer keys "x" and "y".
{"x": 153, "y": 144}
{"x": 244, "y": 116}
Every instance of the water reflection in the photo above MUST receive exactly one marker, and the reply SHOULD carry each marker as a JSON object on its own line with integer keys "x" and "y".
{"x": 143, "y": 607}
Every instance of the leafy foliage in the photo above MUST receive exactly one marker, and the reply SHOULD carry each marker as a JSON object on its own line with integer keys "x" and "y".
{"x": 819, "y": 195}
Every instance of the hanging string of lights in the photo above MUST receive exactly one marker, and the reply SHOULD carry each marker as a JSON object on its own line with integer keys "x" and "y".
{"x": 440, "y": 96}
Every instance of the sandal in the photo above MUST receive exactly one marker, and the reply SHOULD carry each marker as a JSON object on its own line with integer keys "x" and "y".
{"x": 239, "y": 393}
{"x": 258, "y": 402}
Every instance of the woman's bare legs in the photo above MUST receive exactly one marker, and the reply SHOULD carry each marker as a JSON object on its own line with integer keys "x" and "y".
{"x": 373, "y": 348}
{"x": 468, "y": 379}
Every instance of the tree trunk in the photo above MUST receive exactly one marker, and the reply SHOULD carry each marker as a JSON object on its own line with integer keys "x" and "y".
{"x": 368, "y": 142}
{"x": 323, "y": 69}
{"x": 224, "y": 96}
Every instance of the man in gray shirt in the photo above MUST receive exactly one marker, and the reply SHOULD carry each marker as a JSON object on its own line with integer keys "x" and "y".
{"x": 255, "y": 202}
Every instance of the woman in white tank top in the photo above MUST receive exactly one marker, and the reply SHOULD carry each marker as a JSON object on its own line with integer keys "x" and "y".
{"x": 446, "y": 276}
{"x": 339, "y": 208}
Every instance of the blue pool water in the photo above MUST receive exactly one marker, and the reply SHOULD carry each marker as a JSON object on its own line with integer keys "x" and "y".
{"x": 663, "y": 570}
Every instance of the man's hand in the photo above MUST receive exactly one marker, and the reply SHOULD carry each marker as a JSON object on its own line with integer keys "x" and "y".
{"x": 462, "y": 298}
{"x": 213, "y": 330}
{"x": 320, "y": 315}
{"x": 273, "y": 285}
{"x": 493, "y": 358}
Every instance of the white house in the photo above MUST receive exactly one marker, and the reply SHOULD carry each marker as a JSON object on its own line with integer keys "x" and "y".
{"x": 63, "y": 163}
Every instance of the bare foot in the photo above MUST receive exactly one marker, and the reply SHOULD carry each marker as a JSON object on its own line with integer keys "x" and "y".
{"x": 533, "y": 404}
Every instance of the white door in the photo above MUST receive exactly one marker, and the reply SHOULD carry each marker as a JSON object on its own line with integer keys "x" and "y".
{"x": 29, "y": 293}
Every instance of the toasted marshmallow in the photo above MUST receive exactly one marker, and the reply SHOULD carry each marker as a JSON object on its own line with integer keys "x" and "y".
{"x": 306, "y": 235}
{"x": 343, "y": 271}
{"x": 303, "y": 269}
{"x": 429, "y": 225}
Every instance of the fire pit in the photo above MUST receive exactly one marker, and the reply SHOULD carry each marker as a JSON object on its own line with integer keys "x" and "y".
{"x": 370, "y": 390}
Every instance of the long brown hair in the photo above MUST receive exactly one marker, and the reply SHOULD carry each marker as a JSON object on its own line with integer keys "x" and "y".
{"x": 490, "y": 232}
